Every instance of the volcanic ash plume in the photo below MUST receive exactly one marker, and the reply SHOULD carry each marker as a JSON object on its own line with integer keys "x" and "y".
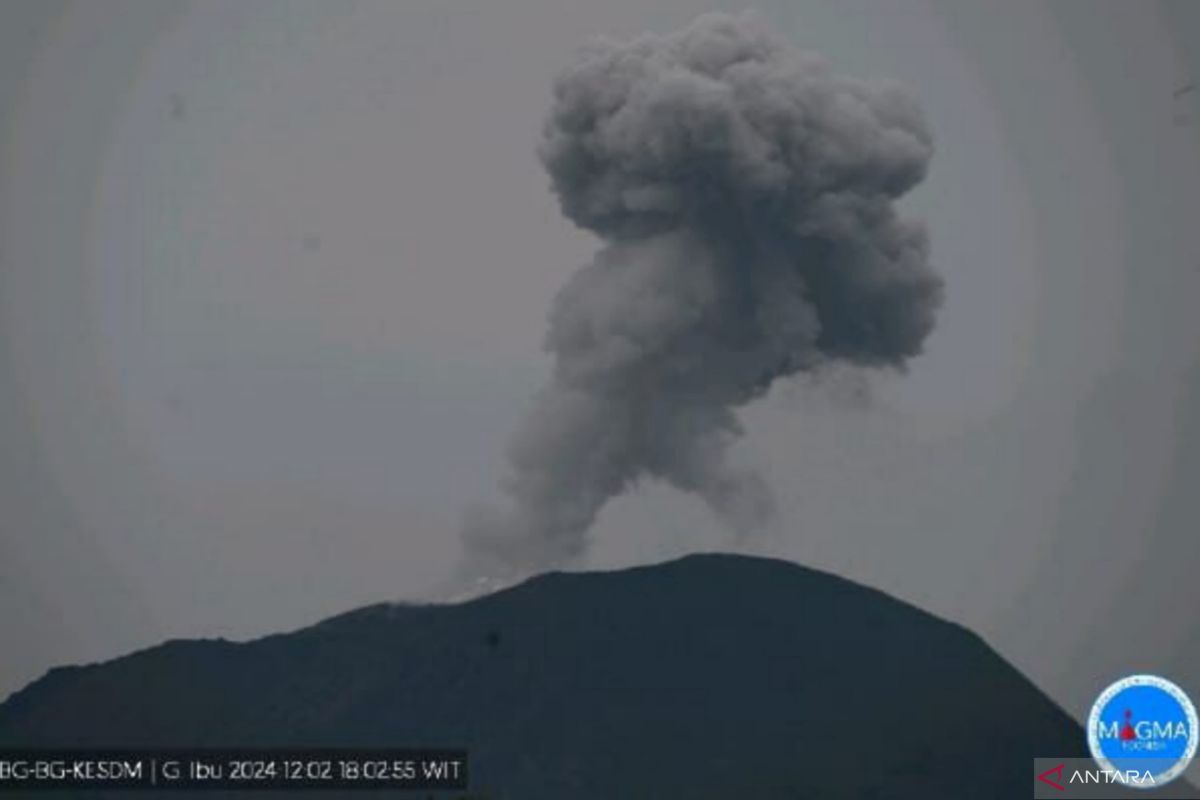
{"x": 744, "y": 195}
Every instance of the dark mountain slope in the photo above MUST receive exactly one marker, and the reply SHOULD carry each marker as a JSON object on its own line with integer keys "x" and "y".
{"x": 712, "y": 676}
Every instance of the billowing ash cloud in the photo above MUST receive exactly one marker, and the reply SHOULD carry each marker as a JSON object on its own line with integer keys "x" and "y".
{"x": 744, "y": 195}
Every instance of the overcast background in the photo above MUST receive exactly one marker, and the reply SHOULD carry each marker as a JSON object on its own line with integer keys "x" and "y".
{"x": 273, "y": 288}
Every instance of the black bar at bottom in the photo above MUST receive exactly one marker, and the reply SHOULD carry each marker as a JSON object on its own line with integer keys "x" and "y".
{"x": 236, "y": 769}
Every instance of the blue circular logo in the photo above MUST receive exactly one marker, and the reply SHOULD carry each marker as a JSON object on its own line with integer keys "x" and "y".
{"x": 1144, "y": 730}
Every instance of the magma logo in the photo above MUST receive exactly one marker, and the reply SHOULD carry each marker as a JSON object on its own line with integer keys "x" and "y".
{"x": 1143, "y": 725}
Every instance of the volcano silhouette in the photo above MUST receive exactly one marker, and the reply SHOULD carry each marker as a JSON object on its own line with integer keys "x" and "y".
{"x": 713, "y": 676}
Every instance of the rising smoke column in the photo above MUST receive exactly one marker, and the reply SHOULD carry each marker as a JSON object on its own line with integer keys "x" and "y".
{"x": 744, "y": 197}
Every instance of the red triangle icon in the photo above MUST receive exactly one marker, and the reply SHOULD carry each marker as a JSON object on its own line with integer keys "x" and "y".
{"x": 1056, "y": 771}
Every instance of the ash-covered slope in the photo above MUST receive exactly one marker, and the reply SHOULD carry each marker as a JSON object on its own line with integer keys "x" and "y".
{"x": 712, "y": 676}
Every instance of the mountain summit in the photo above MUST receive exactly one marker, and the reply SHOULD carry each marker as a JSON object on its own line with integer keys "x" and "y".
{"x": 713, "y": 676}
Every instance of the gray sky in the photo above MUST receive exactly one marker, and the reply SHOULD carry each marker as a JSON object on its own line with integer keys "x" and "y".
{"x": 275, "y": 277}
